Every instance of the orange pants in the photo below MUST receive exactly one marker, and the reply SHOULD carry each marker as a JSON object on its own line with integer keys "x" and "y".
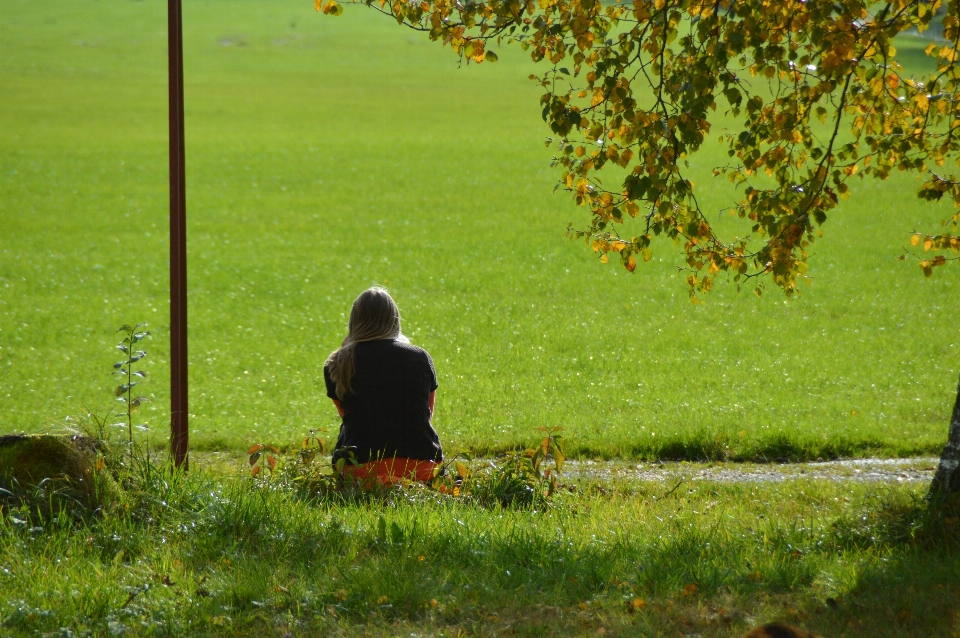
{"x": 392, "y": 470}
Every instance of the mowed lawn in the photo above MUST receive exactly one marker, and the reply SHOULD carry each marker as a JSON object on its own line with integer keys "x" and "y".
{"x": 328, "y": 154}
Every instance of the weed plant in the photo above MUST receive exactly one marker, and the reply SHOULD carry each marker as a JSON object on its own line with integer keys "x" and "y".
{"x": 522, "y": 478}
{"x": 132, "y": 335}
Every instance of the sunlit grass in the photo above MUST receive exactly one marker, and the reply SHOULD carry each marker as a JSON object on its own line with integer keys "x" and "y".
{"x": 325, "y": 155}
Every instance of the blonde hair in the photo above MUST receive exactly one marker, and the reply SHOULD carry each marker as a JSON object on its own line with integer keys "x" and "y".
{"x": 374, "y": 316}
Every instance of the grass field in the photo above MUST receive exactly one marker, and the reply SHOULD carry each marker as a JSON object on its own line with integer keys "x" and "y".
{"x": 202, "y": 555}
{"x": 325, "y": 155}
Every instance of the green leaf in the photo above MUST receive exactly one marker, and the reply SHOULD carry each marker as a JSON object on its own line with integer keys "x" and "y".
{"x": 558, "y": 457}
{"x": 382, "y": 528}
{"x": 490, "y": 56}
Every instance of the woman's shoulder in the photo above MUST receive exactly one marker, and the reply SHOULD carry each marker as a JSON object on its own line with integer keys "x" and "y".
{"x": 410, "y": 349}
{"x": 393, "y": 346}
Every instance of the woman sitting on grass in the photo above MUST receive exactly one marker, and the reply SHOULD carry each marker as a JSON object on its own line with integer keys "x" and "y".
{"x": 384, "y": 390}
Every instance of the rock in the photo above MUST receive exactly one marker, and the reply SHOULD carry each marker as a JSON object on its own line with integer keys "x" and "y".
{"x": 70, "y": 468}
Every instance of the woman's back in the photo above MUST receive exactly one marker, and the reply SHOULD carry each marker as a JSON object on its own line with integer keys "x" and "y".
{"x": 386, "y": 412}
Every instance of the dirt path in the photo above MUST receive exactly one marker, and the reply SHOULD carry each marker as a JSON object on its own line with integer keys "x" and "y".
{"x": 859, "y": 470}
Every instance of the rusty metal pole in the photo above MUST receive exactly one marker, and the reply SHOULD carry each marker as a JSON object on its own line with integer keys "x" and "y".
{"x": 178, "y": 243}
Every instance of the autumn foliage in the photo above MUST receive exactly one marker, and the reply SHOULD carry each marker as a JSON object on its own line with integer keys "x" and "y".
{"x": 813, "y": 88}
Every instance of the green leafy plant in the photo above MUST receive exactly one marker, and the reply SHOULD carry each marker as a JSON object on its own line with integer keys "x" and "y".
{"x": 312, "y": 445}
{"x": 132, "y": 335}
{"x": 520, "y": 478}
{"x": 262, "y": 457}
{"x": 524, "y": 478}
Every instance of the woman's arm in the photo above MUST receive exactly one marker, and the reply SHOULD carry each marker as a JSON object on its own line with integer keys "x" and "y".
{"x": 340, "y": 407}
{"x": 430, "y": 402}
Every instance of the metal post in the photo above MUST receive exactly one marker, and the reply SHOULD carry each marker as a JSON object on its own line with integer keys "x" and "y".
{"x": 178, "y": 243}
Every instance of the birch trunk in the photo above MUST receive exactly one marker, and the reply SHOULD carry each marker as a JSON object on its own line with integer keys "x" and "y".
{"x": 946, "y": 482}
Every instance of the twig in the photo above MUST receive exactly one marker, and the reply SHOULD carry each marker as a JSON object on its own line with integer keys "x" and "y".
{"x": 682, "y": 481}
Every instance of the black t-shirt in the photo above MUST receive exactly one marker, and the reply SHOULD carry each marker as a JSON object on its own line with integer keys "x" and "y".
{"x": 385, "y": 413}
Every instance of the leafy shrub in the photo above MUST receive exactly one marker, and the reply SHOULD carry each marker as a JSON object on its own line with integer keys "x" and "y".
{"x": 518, "y": 479}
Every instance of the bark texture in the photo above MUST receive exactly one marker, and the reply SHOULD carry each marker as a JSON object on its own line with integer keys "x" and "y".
{"x": 946, "y": 482}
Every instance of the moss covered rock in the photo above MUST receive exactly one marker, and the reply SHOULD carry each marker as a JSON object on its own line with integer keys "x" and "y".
{"x": 68, "y": 468}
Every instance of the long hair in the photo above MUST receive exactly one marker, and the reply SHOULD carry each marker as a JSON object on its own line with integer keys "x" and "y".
{"x": 374, "y": 316}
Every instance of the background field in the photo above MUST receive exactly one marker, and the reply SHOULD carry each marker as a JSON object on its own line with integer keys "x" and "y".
{"x": 325, "y": 155}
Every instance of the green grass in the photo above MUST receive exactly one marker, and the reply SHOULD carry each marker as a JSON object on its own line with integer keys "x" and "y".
{"x": 325, "y": 155}
{"x": 202, "y": 555}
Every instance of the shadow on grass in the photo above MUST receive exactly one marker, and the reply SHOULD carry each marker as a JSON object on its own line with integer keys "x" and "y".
{"x": 777, "y": 448}
{"x": 774, "y": 448}
{"x": 712, "y": 560}
{"x": 886, "y": 568}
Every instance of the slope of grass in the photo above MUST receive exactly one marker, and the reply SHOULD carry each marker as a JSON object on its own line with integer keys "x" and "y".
{"x": 228, "y": 556}
{"x": 325, "y": 155}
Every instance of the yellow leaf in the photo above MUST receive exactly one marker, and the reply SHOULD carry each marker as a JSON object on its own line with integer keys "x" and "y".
{"x": 332, "y": 7}
{"x": 915, "y": 240}
{"x": 927, "y": 244}
{"x": 478, "y": 52}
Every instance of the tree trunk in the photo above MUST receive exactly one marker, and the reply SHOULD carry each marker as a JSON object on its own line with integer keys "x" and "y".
{"x": 946, "y": 482}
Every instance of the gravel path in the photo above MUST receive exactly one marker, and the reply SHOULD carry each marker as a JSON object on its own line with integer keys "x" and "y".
{"x": 911, "y": 470}
{"x": 859, "y": 470}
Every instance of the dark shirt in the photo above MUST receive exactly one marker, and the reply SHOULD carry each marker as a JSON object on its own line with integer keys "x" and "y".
{"x": 385, "y": 413}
